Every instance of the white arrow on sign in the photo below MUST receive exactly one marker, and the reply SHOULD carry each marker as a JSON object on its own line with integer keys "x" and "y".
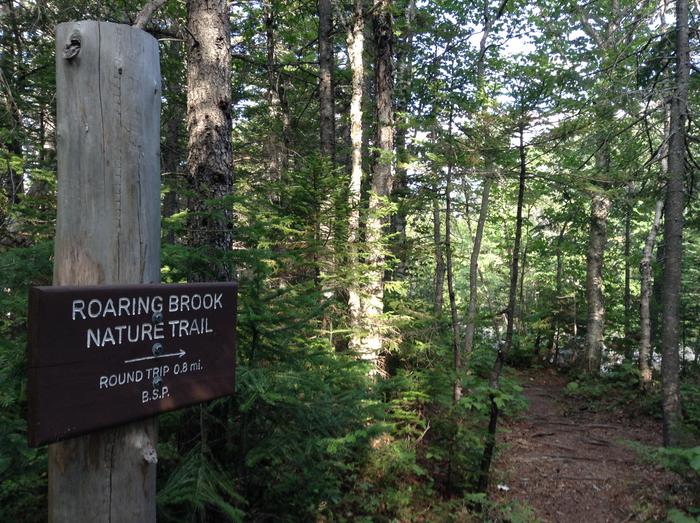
{"x": 180, "y": 354}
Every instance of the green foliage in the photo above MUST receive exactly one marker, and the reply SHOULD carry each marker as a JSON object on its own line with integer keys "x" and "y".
{"x": 23, "y": 475}
{"x": 685, "y": 461}
{"x": 619, "y": 385}
{"x": 690, "y": 398}
{"x": 677, "y": 516}
{"x": 196, "y": 484}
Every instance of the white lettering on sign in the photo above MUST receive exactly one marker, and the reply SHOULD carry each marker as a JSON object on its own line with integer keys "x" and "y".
{"x": 112, "y": 336}
{"x": 183, "y": 328}
{"x": 122, "y": 378}
{"x": 154, "y": 394}
{"x": 115, "y": 335}
{"x": 194, "y": 302}
{"x": 116, "y": 307}
{"x": 110, "y": 381}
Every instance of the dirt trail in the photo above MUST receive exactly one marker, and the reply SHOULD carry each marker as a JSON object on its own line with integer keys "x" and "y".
{"x": 570, "y": 464}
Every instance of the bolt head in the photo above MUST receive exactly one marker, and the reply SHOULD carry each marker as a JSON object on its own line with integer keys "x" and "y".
{"x": 157, "y": 349}
{"x": 157, "y": 317}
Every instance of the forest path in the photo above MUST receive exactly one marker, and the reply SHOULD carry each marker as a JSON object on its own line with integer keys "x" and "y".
{"x": 570, "y": 464}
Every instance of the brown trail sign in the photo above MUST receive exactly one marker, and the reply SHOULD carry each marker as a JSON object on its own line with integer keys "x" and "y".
{"x": 104, "y": 355}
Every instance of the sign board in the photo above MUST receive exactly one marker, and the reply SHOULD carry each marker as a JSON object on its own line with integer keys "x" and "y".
{"x": 104, "y": 355}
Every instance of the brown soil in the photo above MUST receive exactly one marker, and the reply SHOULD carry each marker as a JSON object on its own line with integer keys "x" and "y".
{"x": 569, "y": 463}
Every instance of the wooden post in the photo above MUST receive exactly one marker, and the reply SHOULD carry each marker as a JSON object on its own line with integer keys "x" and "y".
{"x": 107, "y": 232}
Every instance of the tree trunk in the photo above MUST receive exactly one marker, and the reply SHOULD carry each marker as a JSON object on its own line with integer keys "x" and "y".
{"x": 520, "y": 313}
{"x": 644, "y": 299}
{"x": 673, "y": 233}
{"x": 325, "y": 82}
{"x": 400, "y": 193}
{"x": 470, "y": 324}
{"x": 382, "y": 177}
{"x": 456, "y": 354}
{"x": 107, "y": 232}
{"x": 600, "y": 204}
{"x": 600, "y": 208}
{"x": 173, "y": 153}
{"x": 355, "y": 41}
{"x": 515, "y": 262}
{"x": 171, "y": 160}
{"x": 209, "y": 131}
{"x": 554, "y": 345}
{"x": 439, "y": 279}
{"x": 627, "y": 298}
{"x": 503, "y": 351}
{"x": 489, "y": 19}
{"x": 13, "y": 182}
{"x": 278, "y": 138}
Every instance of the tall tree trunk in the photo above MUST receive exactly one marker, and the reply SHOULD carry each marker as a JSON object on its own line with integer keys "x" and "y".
{"x": 470, "y": 324}
{"x": 325, "y": 83}
{"x": 278, "y": 137}
{"x": 209, "y": 131}
{"x": 650, "y": 295}
{"x": 673, "y": 232}
{"x": 644, "y": 299}
{"x": 355, "y": 42}
{"x": 627, "y": 298}
{"x": 12, "y": 181}
{"x": 382, "y": 178}
{"x": 171, "y": 160}
{"x": 600, "y": 203}
{"x": 554, "y": 346}
{"x": 503, "y": 352}
{"x": 439, "y": 279}
{"x": 489, "y": 19}
{"x": 657, "y": 295}
{"x": 520, "y": 323}
{"x": 456, "y": 353}
{"x": 600, "y": 208}
{"x": 173, "y": 151}
{"x": 400, "y": 193}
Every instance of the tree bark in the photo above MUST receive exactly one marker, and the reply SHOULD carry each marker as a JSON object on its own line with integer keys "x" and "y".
{"x": 645, "y": 298}
{"x": 107, "y": 232}
{"x": 439, "y": 278}
{"x": 278, "y": 138}
{"x": 627, "y": 298}
{"x": 456, "y": 353}
{"x": 673, "y": 233}
{"x": 325, "y": 83}
{"x": 470, "y": 324}
{"x": 514, "y": 268}
{"x": 171, "y": 160}
{"x": 355, "y": 42}
{"x": 209, "y": 131}
{"x": 503, "y": 351}
{"x": 489, "y": 19}
{"x": 520, "y": 311}
{"x": 600, "y": 208}
{"x": 554, "y": 345}
{"x": 400, "y": 193}
{"x": 173, "y": 151}
{"x": 382, "y": 178}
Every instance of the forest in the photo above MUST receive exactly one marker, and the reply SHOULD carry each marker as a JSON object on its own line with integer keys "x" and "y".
{"x": 466, "y": 237}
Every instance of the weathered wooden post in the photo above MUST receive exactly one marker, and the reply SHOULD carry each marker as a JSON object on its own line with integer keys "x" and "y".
{"x": 108, "y": 232}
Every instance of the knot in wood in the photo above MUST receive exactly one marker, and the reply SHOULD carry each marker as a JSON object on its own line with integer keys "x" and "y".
{"x": 72, "y": 47}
